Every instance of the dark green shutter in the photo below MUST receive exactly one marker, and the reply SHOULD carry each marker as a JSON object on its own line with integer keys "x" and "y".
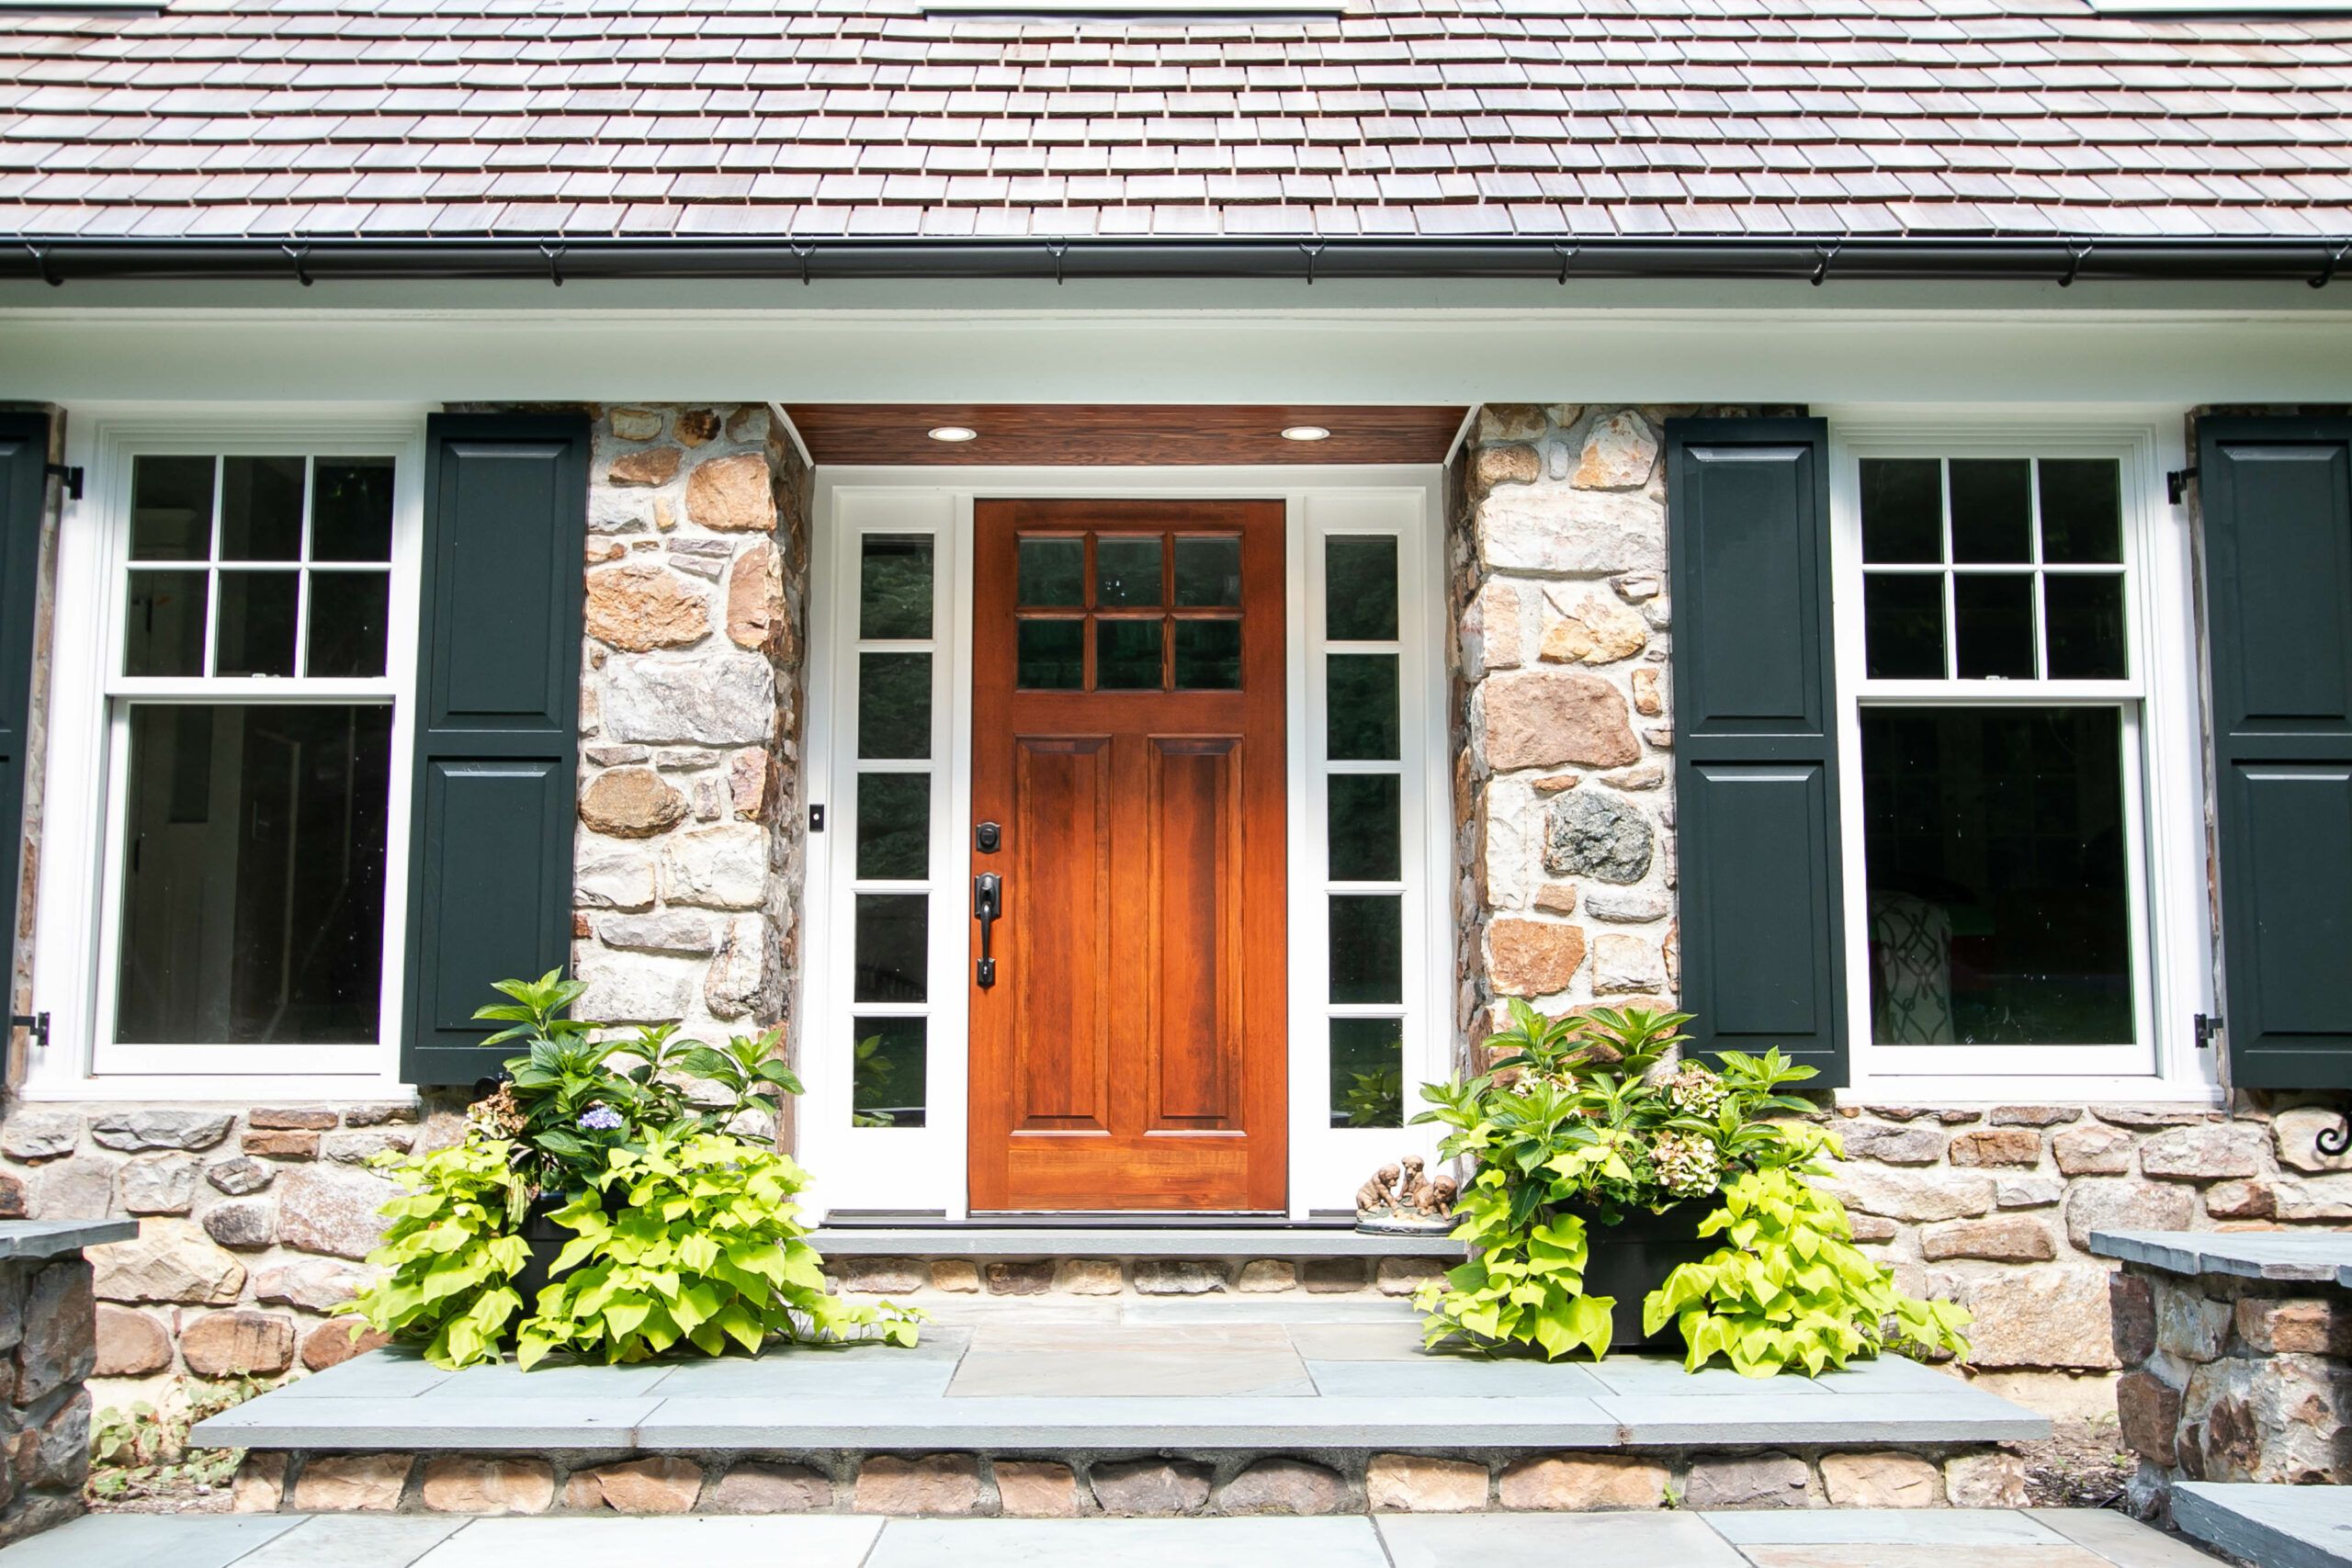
{"x": 24, "y": 494}
{"x": 1756, "y": 750}
{"x": 497, "y": 744}
{"x": 2277, "y": 499}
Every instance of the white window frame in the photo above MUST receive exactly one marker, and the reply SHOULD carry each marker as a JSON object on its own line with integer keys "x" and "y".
{"x": 922, "y": 1170}
{"x": 79, "y": 884}
{"x": 2163, "y": 778}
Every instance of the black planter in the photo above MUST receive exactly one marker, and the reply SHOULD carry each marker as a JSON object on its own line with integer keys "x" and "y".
{"x": 546, "y": 1239}
{"x": 1633, "y": 1257}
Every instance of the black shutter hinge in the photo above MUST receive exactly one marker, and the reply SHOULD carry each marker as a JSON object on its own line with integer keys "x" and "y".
{"x": 71, "y": 476}
{"x": 2177, "y": 484}
{"x": 2208, "y": 1025}
{"x": 36, "y": 1021}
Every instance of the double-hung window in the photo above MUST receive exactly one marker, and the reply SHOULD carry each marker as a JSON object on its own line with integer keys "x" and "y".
{"x": 1995, "y": 655}
{"x": 257, "y": 616}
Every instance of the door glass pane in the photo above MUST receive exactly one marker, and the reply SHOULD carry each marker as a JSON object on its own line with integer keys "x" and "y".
{"x": 894, "y": 587}
{"x": 350, "y": 611}
{"x": 1208, "y": 656}
{"x": 1363, "y": 828}
{"x": 351, "y": 509}
{"x": 1902, "y": 625}
{"x": 888, "y": 1069}
{"x": 1996, "y": 851}
{"x": 256, "y": 622}
{"x": 170, "y": 508}
{"x": 1903, "y": 510}
{"x": 1994, "y": 614}
{"x": 894, "y": 704}
{"x": 892, "y": 929}
{"x": 893, "y": 827}
{"x": 1127, "y": 656}
{"x": 1053, "y": 571}
{"x": 1367, "y": 1072}
{"x": 1127, "y": 572}
{"x": 164, "y": 634}
{"x": 1360, "y": 706}
{"x": 2082, "y": 511}
{"x": 1051, "y": 655}
{"x": 1367, "y": 948}
{"x": 2085, "y": 621}
{"x": 1208, "y": 571}
{"x": 1359, "y": 588}
{"x": 1991, "y": 511}
{"x": 254, "y": 874}
{"x": 261, "y": 509}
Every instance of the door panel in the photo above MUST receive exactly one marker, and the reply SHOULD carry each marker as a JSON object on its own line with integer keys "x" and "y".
{"x": 1131, "y": 1053}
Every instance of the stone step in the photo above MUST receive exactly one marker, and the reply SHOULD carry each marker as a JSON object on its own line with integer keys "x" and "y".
{"x": 1141, "y": 1407}
{"x": 1991, "y": 1539}
{"x": 2277, "y": 1527}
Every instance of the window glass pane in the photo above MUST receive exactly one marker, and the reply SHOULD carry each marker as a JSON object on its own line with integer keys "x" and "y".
{"x": 350, "y": 611}
{"x": 892, "y": 928}
{"x": 1051, "y": 655}
{"x": 256, "y": 622}
{"x": 894, "y": 587}
{"x": 1053, "y": 571}
{"x": 1902, "y": 625}
{"x": 164, "y": 631}
{"x": 261, "y": 509}
{"x": 1367, "y": 948}
{"x": 1127, "y": 572}
{"x": 2082, "y": 511}
{"x": 253, "y": 882}
{"x": 1208, "y": 571}
{"x": 1208, "y": 656}
{"x": 1992, "y": 513}
{"x": 894, "y": 704}
{"x": 2086, "y": 627}
{"x": 886, "y": 1073}
{"x": 1363, "y": 828}
{"x": 1360, "y": 706}
{"x": 1903, "y": 510}
{"x": 351, "y": 509}
{"x": 1995, "y": 854}
{"x": 170, "y": 508}
{"x": 1359, "y": 588}
{"x": 1127, "y": 656}
{"x": 1995, "y": 613}
{"x": 893, "y": 827}
{"x": 1367, "y": 1072}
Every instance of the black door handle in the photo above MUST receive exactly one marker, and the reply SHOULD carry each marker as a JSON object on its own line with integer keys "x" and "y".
{"x": 987, "y": 908}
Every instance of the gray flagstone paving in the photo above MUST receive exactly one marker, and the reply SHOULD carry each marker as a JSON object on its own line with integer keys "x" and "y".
{"x": 1861, "y": 1538}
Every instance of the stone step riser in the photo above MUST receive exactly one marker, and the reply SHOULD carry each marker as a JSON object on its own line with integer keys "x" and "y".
{"x": 1029, "y": 1484}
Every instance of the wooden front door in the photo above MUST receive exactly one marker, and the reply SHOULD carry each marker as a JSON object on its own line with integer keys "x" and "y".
{"x": 1128, "y": 1051}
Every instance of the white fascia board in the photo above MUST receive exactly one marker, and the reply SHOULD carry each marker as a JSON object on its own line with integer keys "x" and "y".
{"x": 2008, "y": 357}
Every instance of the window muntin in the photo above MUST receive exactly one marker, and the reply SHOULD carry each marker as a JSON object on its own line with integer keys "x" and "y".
{"x": 1123, "y": 610}
{"x": 246, "y": 920}
{"x": 890, "y": 815}
{"x": 1997, "y": 824}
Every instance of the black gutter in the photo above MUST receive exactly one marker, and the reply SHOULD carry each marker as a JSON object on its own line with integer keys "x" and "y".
{"x": 2057, "y": 260}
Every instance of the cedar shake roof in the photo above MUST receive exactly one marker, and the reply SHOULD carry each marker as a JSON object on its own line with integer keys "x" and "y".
{"x": 1443, "y": 119}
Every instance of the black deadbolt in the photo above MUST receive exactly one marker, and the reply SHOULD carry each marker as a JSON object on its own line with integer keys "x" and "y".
{"x": 988, "y": 836}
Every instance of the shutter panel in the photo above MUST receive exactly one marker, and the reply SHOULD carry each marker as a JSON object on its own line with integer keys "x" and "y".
{"x": 24, "y": 495}
{"x": 2277, "y": 499}
{"x": 497, "y": 747}
{"x": 1756, "y": 750}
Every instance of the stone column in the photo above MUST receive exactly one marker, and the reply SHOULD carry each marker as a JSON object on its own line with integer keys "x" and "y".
{"x": 48, "y": 1333}
{"x": 1563, "y": 780}
{"x": 689, "y": 863}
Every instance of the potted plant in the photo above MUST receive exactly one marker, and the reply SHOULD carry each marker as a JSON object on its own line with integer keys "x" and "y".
{"x": 1607, "y": 1183}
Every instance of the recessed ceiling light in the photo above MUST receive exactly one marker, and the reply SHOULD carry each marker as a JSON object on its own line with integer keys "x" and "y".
{"x": 1306, "y": 432}
{"x": 953, "y": 433}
